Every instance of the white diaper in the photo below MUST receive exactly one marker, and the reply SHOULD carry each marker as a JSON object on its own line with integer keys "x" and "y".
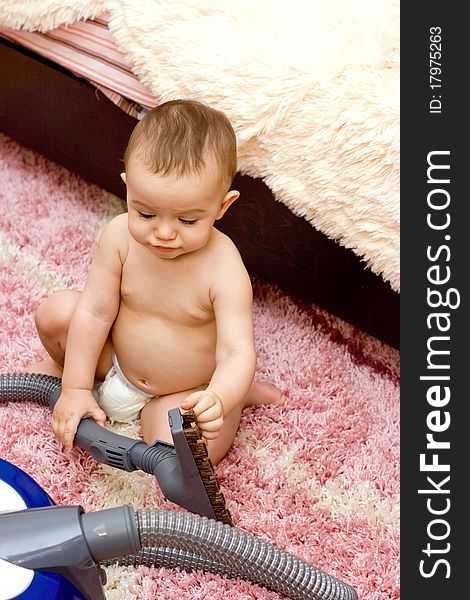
{"x": 120, "y": 399}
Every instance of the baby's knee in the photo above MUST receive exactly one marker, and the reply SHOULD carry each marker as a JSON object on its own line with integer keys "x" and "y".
{"x": 53, "y": 314}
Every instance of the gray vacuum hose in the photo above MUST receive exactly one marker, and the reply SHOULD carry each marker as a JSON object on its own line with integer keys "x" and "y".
{"x": 29, "y": 387}
{"x": 174, "y": 539}
{"x": 74, "y": 544}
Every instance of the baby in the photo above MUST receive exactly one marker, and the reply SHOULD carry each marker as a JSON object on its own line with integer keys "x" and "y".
{"x": 165, "y": 318}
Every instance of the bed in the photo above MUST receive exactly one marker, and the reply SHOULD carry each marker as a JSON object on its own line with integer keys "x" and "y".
{"x": 318, "y": 146}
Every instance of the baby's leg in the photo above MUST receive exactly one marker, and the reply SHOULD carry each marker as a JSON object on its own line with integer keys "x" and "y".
{"x": 53, "y": 318}
{"x": 154, "y": 417}
{"x": 154, "y": 422}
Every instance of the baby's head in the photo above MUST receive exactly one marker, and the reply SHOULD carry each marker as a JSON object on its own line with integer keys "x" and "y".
{"x": 182, "y": 137}
{"x": 180, "y": 163}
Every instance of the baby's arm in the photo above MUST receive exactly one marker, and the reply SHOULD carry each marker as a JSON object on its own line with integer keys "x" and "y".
{"x": 89, "y": 328}
{"x": 232, "y": 299}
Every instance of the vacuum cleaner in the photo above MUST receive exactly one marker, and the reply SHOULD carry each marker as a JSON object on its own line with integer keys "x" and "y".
{"x": 57, "y": 552}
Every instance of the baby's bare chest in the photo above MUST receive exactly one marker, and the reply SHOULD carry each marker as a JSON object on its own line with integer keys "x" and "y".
{"x": 179, "y": 295}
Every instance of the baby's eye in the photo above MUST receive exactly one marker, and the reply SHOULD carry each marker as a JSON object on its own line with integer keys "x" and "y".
{"x": 145, "y": 215}
{"x": 188, "y": 221}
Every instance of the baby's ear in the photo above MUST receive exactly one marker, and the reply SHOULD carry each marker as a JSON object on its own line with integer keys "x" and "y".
{"x": 228, "y": 200}
{"x": 123, "y": 177}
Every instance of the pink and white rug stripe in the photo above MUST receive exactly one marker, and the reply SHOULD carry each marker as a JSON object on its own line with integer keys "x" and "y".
{"x": 318, "y": 477}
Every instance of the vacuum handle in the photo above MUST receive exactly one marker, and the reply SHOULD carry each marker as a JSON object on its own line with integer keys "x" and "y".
{"x": 106, "y": 446}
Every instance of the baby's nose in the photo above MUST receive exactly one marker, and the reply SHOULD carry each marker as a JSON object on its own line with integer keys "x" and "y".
{"x": 165, "y": 231}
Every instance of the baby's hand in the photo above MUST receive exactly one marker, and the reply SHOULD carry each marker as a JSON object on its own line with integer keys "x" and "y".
{"x": 209, "y": 411}
{"x": 73, "y": 406}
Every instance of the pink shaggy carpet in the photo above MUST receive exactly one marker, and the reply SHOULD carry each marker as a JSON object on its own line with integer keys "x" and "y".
{"x": 318, "y": 477}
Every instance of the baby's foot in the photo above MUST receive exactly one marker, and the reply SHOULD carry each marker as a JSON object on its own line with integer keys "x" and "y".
{"x": 261, "y": 392}
{"x": 45, "y": 367}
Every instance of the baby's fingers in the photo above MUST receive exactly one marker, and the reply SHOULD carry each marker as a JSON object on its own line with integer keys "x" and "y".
{"x": 97, "y": 415}
{"x": 190, "y": 401}
{"x": 65, "y": 430}
{"x": 210, "y": 414}
{"x": 208, "y": 401}
{"x": 208, "y": 410}
{"x": 211, "y": 429}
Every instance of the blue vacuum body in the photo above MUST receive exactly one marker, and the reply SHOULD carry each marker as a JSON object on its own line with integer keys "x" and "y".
{"x": 19, "y": 491}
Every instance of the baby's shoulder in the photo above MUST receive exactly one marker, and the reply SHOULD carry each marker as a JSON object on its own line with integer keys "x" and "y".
{"x": 118, "y": 224}
{"x": 116, "y": 234}
{"x": 224, "y": 249}
{"x": 117, "y": 227}
{"x": 227, "y": 263}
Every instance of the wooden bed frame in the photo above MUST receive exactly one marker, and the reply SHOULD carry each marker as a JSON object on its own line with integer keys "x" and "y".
{"x": 66, "y": 119}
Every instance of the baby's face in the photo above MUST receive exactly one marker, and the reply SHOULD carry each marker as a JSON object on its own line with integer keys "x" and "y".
{"x": 174, "y": 215}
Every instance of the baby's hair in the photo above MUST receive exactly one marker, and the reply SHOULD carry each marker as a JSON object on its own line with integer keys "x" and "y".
{"x": 179, "y": 136}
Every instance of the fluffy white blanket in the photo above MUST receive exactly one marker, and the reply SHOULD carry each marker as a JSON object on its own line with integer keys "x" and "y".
{"x": 311, "y": 87}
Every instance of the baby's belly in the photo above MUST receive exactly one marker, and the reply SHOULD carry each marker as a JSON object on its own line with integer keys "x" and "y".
{"x": 161, "y": 357}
